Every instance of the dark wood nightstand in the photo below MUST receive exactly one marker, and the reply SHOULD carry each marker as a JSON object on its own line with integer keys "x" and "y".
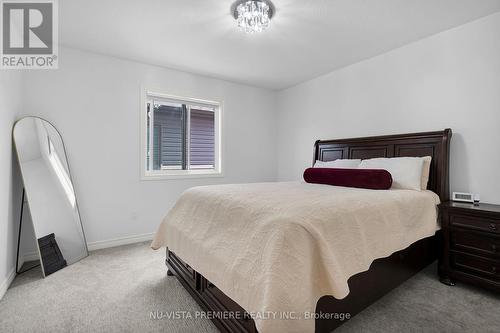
{"x": 471, "y": 244}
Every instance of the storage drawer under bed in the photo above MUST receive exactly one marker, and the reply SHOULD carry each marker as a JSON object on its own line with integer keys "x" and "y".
{"x": 186, "y": 272}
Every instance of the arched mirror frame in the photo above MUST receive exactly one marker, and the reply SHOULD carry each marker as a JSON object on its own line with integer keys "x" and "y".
{"x": 77, "y": 207}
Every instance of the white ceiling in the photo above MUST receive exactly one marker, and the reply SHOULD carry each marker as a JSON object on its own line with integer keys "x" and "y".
{"x": 306, "y": 39}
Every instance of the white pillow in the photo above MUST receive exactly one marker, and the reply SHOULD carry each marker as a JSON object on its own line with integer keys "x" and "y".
{"x": 426, "y": 169}
{"x": 406, "y": 172}
{"x": 345, "y": 164}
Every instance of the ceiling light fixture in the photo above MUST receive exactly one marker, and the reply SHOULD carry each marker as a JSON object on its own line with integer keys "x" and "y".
{"x": 253, "y": 15}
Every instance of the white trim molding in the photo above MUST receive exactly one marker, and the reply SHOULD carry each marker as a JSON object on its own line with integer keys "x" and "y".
{"x": 217, "y": 106}
{"x": 92, "y": 246}
{"x": 27, "y": 257}
{"x": 119, "y": 241}
{"x": 6, "y": 283}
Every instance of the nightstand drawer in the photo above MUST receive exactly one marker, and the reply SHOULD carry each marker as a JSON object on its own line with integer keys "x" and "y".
{"x": 471, "y": 244}
{"x": 476, "y": 223}
{"x": 478, "y": 265}
{"x": 474, "y": 242}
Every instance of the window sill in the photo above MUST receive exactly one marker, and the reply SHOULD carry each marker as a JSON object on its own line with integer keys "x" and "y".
{"x": 189, "y": 174}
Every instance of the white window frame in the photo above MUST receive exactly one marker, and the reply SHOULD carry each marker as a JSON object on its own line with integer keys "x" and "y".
{"x": 146, "y": 174}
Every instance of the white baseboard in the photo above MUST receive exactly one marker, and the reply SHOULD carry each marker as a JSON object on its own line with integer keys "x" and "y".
{"x": 30, "y": 256}
{"x": 119, "y": 241}
{"x": 6, "y": 283}
{"x": 92, "y": 246}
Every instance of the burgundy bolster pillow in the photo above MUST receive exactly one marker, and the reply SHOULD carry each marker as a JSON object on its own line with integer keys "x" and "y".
{"x": 373, "y": 179}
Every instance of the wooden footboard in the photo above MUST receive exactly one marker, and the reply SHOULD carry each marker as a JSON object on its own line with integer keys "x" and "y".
{"x": 365, "y": 288}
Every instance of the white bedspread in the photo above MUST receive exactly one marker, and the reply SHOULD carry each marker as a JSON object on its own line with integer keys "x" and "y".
{"x": 276, "y": 248}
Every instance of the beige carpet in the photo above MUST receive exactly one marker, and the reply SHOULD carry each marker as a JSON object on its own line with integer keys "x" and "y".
{"x": 112, "y": 290}
{"x": 115, "y": 290}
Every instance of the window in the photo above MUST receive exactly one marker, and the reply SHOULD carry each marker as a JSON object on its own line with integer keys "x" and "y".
{"x": 182, "y": 137}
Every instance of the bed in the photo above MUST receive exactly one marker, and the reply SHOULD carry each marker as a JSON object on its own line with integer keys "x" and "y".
{"x": 217, "y": 255}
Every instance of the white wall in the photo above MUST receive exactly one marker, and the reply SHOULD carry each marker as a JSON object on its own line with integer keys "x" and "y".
{"x": 10, "y": 104}
{"x": 448, "y": 80}
{"x": 94, "y": 101}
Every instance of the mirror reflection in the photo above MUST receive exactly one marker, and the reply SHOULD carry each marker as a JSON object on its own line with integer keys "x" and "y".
{"x": 50, "y": 194}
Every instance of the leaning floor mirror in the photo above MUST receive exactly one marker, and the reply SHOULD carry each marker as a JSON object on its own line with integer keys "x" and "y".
{"x": 49, "y": 194}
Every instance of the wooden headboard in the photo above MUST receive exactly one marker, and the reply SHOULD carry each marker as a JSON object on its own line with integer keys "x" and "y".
{"x": 435, "y": 144}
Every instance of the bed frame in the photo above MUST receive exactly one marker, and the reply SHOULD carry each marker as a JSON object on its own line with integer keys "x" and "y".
{"x": 384, "y": 274}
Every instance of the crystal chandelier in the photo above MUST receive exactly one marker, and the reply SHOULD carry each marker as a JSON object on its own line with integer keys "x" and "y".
{"x": 253, "y": 15}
